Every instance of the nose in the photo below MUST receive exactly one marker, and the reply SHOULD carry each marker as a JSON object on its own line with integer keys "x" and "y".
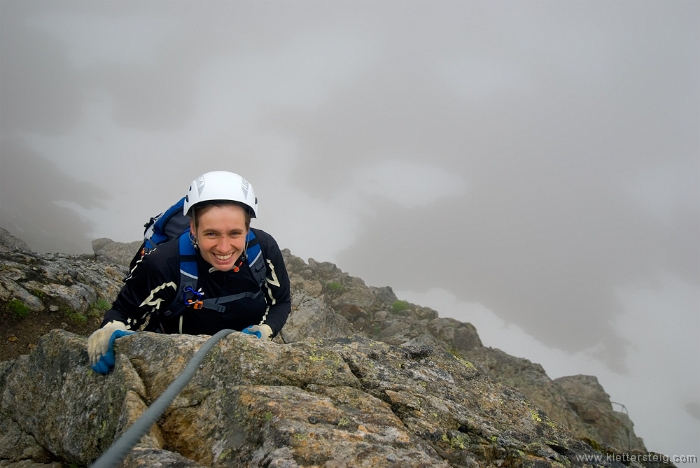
{"x": 223, "y": 244}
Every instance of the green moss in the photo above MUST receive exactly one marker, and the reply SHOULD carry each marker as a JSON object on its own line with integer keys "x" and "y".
{"x": 593, "y": 444}
{"x": 267, "y": 416}
{"x": 98, "y": 308}
{"x": 399, "y": 305}
{"x": 102, "y": 304}
{"x": 18, "y": 308}
{"x": 77, "y": 317}
{"x": 335, "y": 286}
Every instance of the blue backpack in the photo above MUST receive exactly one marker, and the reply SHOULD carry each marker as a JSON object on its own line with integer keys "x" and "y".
{"x": 171, "y": 224}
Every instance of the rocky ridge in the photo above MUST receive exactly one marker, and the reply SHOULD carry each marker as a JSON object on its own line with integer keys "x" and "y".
{"x": 579, "y": 403}
{"x": 381, "y": 383}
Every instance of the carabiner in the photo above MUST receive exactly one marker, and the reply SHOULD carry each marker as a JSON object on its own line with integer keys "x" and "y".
{"x": 194, "y": 303}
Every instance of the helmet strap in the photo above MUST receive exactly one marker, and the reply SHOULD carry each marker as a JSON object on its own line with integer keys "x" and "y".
{"x": 237, "y": 266}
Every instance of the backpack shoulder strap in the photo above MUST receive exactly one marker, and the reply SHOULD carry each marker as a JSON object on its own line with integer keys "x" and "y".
{"x": 256, "y": 260}
{"x": 256, "y": 263}
{"x": 188, "y": 275}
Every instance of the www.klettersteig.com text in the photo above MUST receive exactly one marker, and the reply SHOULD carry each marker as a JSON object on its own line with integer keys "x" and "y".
{"x": 638, "y": 457}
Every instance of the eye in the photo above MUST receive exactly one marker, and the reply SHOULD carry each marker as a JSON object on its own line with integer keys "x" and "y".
{"x": 210, "y": 235}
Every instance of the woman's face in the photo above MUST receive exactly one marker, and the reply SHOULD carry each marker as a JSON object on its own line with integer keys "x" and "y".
{"x": 221, "y": 233}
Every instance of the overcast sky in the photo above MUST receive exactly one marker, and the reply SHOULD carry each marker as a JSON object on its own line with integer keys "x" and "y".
{"x": 531, "y": 167}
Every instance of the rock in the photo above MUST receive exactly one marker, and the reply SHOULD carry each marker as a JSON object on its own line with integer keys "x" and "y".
{"x": 16, "y": 445}
{"x": 335, "y": 402}
{"x": 73, "y": 281}
{"x": 158, "y": 458}
{"x": 460, "y": 336}
{"x": 371, "y": 311}
{"x": 398, "y": 331}
{"x": 40, "y": 291}
{"x": 28, "y": 464}
{"x": 384, "y": 295}
{"x": 531, "y": 380}
{"x": 324, "y": 269}
{"x": 118, "y": 252}
{"x": 313, "y": 288}
{"x": 98, "y": 244}
{"x": 359, "y": 297}
{"x": 341, "y": 387}
{"x": 8, "y": 242}
{"x": 426, "y": 339}
{"x": 310, "y": 317}
{"x": 10, "y": 290}
{"x": 591, "y": 403}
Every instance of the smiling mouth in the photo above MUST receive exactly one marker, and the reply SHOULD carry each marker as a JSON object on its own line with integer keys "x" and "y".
{"x": 223, "y": 257}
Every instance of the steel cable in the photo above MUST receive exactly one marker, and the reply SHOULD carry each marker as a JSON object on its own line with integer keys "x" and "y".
{"x": 121, "y": 448}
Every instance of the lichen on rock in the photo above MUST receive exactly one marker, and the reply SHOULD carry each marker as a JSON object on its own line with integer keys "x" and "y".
{"x": 346, "y": 401}
{"x": 351, "y": 380}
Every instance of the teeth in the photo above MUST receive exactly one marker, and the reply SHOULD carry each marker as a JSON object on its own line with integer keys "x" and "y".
{"x": 223, "y": 257}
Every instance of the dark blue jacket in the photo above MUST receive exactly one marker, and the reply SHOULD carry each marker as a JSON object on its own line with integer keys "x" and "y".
{"x": 153, "y": 283}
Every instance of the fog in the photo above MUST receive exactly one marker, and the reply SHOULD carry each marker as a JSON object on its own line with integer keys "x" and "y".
{"x": 530, "y": 167}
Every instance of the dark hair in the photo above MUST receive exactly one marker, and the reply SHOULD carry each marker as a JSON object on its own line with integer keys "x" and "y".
{"x": 200, "y": 208}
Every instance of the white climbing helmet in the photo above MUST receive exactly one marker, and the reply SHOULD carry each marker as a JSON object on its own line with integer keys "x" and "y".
{"x": 221, "y": 185}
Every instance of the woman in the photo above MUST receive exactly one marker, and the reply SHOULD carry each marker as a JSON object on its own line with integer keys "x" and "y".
{"x": 225, "y": 292}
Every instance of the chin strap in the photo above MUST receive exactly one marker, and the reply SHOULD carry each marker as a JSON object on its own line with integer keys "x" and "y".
{"x": 237, "y": 265}
{"x": 243, "y": 257}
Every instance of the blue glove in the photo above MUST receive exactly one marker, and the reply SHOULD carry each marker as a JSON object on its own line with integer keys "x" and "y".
{"x": 101, "y": 346}
{"x": 261, "y": 331}
{"x": 106, "y": 362}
